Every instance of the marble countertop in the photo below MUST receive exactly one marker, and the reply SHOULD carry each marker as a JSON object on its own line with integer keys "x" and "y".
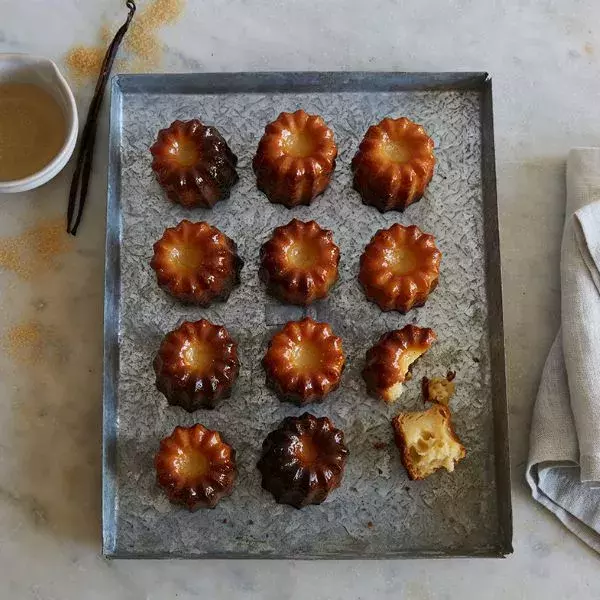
{"x": 544, "y": 57}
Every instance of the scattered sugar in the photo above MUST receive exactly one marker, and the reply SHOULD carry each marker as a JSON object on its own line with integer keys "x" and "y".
{"x": 84, "y": 61}
{"x": 23, "y": 342}
{"x": 35, "y": 250}
{"x": 141, "y": 44}
{"x": 142, "y": 38}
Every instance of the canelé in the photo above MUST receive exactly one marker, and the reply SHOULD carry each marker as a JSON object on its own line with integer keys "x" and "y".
{"x": 303, "y": 460}
{"x": 295, "y": 158}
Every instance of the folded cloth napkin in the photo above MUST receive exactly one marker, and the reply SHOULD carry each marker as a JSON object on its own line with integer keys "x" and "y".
{"x": 563, "y": 470}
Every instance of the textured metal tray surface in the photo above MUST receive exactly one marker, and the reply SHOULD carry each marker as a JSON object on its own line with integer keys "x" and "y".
{"x": 377, "y": 512}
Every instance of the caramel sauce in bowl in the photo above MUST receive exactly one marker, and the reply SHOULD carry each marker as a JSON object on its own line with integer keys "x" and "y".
{"x": 38, "y": 122}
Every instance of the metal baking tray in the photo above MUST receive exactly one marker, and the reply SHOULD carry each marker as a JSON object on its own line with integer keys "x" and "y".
{"x": 378, "y": 512}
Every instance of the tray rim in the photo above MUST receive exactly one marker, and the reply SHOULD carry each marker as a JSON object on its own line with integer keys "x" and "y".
{"x": 305, "y": 82}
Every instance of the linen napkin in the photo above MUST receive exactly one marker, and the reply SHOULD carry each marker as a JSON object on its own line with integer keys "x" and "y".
{"x": 563, "y": 470}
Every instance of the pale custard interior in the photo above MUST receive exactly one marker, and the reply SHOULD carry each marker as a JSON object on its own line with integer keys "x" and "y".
{"x": 408, "y": 357}
{"x": 440, "y": 390}
{"x": 430, "y": 442}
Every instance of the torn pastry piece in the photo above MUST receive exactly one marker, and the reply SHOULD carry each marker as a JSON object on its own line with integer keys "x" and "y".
{"x": 389, "y": 360}
{"x": 427, "y": 441}
{"x": 439, "y": 390}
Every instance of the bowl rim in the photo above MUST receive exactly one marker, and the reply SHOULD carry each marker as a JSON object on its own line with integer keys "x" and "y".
{"x": 62, "y": 156}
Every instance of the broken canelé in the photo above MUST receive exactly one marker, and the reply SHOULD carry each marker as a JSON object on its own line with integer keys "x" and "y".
{"x": 438, "y": 390}
{"x": 195, "y": 467}
{"x": 304, "y": 361}
{"x": 196, "y": 365}
{"x": 303, "y": 460}
{"x": 196, "y": 263}
{"x": 193, "y": 164}
{"x": 399, "y": 268}
{"x": 394, "y": 164}
{"x": 427, "y": 441}
{"x": 295, "y": 159}
{"x": 299, "y": 264}
{"x": 389, "y": 361}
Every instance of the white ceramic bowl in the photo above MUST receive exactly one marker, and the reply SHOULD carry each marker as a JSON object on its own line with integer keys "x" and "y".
{"x": 24, "y": 68}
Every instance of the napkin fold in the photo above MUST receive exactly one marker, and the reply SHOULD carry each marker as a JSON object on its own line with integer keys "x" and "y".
{"x": 563, "y": 470}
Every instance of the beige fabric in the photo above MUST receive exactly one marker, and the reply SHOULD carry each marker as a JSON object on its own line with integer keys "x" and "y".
{"x": 564, "y": 457}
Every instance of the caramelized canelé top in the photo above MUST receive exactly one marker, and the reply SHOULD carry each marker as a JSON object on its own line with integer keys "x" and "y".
{"x": 303, "y": 460}
{"x": 195, "y": 467}
{"x": 196, "y": 365}
{"x": 193, "y": 164}
{"x": 299, "y": 264}
{"x": 304, "y": 361}
{"x": 394, "y": 164}
{"x": 196, "y": 263}
{"x": 295, "y": 158}
{"x": 399, "y": 268}
{"x": 388, "y": 362}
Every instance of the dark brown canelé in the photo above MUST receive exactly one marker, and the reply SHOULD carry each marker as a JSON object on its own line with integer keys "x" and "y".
{"x": 193, "y": 164}
{"x": 303, "y": 460}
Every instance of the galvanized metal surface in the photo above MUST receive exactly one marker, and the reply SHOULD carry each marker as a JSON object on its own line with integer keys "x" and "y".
{"x": 377, "y": 512}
